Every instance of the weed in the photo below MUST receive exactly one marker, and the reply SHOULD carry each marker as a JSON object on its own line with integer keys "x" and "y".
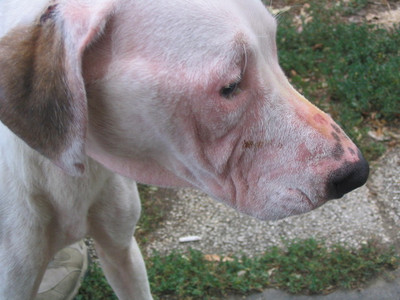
{"x": 304, "y": 266}
{"x": 353, "y": 7}
{"x": 153, "y": 210}
{"x": 95, "y": 286}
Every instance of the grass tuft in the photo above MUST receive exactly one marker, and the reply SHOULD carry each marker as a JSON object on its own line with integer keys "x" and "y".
{"x": 305, "y": 266}
{"x": 95, "y": 285}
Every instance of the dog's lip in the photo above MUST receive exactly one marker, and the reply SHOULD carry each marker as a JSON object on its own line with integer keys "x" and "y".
{"x": 304, "y": 197}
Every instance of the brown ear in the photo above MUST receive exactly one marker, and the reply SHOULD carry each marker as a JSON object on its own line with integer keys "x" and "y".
{"x": 42, "y": 92}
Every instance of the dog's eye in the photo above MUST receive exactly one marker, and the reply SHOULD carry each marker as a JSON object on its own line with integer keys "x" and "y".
{"x": 230, "y": 90}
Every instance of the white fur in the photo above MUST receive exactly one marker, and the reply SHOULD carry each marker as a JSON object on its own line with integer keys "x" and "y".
{"x": 43, "y": 209}
{"x": 19, "y": 12}
{"x": 152, "y": 72}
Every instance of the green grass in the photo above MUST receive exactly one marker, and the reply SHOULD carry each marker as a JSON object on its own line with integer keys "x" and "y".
{"x": 95, "y": 286}
{"x": 306, "y": 267}
{"x": 153, "y": 211}
{"x": 349, "y": 70}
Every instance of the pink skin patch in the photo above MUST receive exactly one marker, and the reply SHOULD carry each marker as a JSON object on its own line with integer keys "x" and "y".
{"x": 309, "y": 114}
{"x": 319, "y": 119}
{"x": 304, "y": 153}
{"x": 323, "y": 124}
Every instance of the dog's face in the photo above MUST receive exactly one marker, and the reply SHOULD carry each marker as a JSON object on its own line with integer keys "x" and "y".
{"x": 190, "y": 93}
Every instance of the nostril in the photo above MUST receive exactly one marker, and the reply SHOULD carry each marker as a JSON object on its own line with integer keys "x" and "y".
{"x": 347, "y": 178}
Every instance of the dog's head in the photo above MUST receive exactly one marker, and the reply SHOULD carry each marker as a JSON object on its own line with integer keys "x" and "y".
{"x": 175, "y": 93}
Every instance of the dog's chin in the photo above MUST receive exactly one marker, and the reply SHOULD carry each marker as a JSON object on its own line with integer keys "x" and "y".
{"x": 295, "y": 202}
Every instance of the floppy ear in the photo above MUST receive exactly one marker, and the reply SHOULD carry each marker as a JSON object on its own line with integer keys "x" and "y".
{"x": 42, "y": 92}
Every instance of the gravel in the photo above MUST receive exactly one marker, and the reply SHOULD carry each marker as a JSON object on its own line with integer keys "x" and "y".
{"x": 371, "y": 212}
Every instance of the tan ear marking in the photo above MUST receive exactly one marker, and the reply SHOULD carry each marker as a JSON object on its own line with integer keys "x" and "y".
{"x": 34, "y": 100}
{"x": 42, "y": 90}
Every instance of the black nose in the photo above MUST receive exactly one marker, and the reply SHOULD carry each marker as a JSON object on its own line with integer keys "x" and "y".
{"x": 347, "y": 178}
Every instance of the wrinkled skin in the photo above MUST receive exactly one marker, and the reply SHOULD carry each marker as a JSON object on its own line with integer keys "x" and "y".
{"x": 264, "y": 149}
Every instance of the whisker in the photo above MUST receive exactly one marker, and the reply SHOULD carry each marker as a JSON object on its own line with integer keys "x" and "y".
{"x": 245, "y": 60}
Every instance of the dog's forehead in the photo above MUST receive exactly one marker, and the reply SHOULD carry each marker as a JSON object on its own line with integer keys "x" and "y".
{"x": 250, "y": 17}
{"x": 182, "y": 29}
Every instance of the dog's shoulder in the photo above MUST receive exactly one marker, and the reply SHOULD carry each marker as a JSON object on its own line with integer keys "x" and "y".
{"x": 25, "y": 171}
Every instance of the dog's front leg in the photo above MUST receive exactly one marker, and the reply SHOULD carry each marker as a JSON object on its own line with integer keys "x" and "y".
{"x": 20, "y": 274}
{"x": 24, "y": 251}
{"x": 112, "y": 221}
{"x": 125, "y": 270}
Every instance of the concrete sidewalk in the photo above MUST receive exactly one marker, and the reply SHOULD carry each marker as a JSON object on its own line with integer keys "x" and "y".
{"x": 371, "y": 212}
{"x": 380, "y": 289}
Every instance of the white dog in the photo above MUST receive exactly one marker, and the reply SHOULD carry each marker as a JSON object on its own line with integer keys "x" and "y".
{"x": 172, "y": 93}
